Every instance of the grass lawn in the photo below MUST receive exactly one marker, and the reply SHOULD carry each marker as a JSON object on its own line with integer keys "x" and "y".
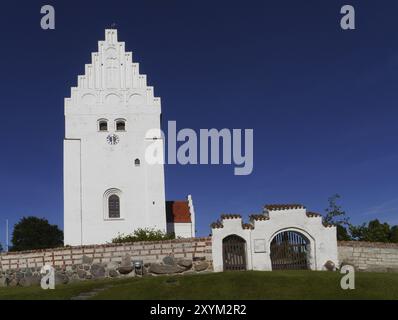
{"x": 228, "y": 285}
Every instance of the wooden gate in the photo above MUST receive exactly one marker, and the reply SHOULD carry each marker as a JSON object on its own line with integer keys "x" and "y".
{"x": 234, "y": 253}
{"x": 289, "y": 250}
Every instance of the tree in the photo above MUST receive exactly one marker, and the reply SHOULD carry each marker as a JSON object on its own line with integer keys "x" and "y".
{"x": 342, "y": 233}
{"x": 337, "y": 216}
{"x": 394, "y": 234}
{"x": 373, "y": 232}
{"x": 34, "y": 233}
{"x": 357, "y": 232}
{"x": 1, "y": 248}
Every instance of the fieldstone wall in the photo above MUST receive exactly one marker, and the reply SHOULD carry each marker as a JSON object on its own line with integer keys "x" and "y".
{"x": 181, "y": 256}
{"x": 369, "y": 256}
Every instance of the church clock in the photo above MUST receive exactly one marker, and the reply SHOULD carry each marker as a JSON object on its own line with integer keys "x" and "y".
{"x": 112, "y": 139}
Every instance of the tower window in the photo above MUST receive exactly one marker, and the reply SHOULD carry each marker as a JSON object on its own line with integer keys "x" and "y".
{"x": 103, "y": 125}
{"x": 120, "y": 125}
{"x": 114, "y": 206}
{"x": 137, "y": 162}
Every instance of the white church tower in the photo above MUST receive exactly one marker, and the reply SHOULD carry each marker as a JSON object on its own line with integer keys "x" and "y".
{"x": 108, "y": 186}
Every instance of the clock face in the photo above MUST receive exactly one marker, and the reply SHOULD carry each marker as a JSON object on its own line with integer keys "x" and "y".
{"x": 112, "y": 139}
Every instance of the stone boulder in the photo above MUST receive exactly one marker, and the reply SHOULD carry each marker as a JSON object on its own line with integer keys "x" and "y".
{"x": 199, "y": 258}
{"x": 330, "y": 266}
{"x": 3, "y": 282}
{"x": 113, "y": 265}
{"x": 185, "y": 263}
{"x": 97, "y": 270}
{"x": 169, "y": 260}
{"x": 13, "y": 282}
{"x": 201, "y": 266}
{"x": 165, "y": 269}
{"x": 126, "y": 261}
{"x": 30, "y": 281}
{"x": 113, "y": 273}
{"x": 28, "y": 273}
{"x": 74, "y": 278}
{"x": 125, "y": 269}
{"x": 61, "y": 278}
{"x": 19, "y": 275}
{"x": 81, "y": 274}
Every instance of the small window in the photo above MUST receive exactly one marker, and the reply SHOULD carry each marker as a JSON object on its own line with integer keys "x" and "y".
{"x": 114, "y": 206}
{"x": 103, "y": 125}
{"x": 120, "y": 125}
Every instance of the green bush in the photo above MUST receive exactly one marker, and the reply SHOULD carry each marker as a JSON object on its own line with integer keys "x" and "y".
{"x": 146, "y": 234}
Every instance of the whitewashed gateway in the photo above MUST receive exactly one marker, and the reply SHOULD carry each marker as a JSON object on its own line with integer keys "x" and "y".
{"x": 283, "y": 236}
{"x": 108, "y": 187}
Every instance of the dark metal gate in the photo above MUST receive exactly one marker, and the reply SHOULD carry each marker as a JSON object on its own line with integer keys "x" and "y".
{"x": 289, "y": 250}
{"x": 234, "y": 253}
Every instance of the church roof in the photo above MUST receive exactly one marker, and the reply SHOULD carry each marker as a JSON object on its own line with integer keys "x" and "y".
{"x": 271, "y": 207}
{"x": 178, "y": 212}
{"x": 112, "y": 78}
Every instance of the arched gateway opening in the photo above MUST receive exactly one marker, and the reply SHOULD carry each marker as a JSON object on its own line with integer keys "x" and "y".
{"x": 290, "y": 251}
{"x": 234, "y": 253}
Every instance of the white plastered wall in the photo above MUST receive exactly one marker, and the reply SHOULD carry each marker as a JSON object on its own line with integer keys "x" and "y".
{"x": 322, "y": 240}
{"x": 111, "y": 88}
{"x": 231, "y": 226}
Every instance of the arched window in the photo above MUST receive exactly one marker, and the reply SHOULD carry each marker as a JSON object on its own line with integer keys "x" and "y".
{"x": 112, "y": 202}
{"x": 120, "y": 125}
{"x": 103, "y": 125}
{"x": 137, "y": 162}
{"x": 114, "y": 206}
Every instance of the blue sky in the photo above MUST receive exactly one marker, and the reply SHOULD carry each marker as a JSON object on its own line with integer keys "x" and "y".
{"x": 322, "y": 101}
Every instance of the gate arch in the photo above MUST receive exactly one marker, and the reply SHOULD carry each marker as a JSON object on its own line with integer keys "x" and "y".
{"x": 290, "y": 250}
{"x": 234, "y": 253}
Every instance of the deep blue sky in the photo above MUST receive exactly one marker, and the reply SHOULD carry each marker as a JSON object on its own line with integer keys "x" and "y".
{"x": 322, "y": 101}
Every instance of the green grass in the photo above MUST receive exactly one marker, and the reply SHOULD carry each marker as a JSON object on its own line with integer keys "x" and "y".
{"x": 226, "y": 286}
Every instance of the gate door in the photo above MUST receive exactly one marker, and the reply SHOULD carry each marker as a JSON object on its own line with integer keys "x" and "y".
{"x": 234, "y": 253}
{"x": 289, "y": 250}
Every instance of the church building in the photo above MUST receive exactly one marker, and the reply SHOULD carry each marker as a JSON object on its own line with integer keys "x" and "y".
{"x": 109, "y": 189}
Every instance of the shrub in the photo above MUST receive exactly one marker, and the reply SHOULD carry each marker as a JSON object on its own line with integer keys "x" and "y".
{"x": 146, "y": 234}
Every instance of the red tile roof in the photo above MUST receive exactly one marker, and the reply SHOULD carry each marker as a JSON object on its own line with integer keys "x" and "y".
{"x": 260, "y": 217}
{"x": 216, "y": 225}
{"x": 313, "y": 214}
{"x": 178, "y": 212}
{"x": 230, "y": 216}
{"x": 271, "y": 207}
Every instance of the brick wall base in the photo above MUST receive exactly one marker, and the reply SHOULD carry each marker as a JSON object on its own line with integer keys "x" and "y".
{"x": 182, "y": 256}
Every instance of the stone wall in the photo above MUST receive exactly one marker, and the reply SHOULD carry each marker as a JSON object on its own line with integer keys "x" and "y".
{"x": 181, "y": 256}
{"x": 369, "y": 256}
{"x": 110, "y": 260}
